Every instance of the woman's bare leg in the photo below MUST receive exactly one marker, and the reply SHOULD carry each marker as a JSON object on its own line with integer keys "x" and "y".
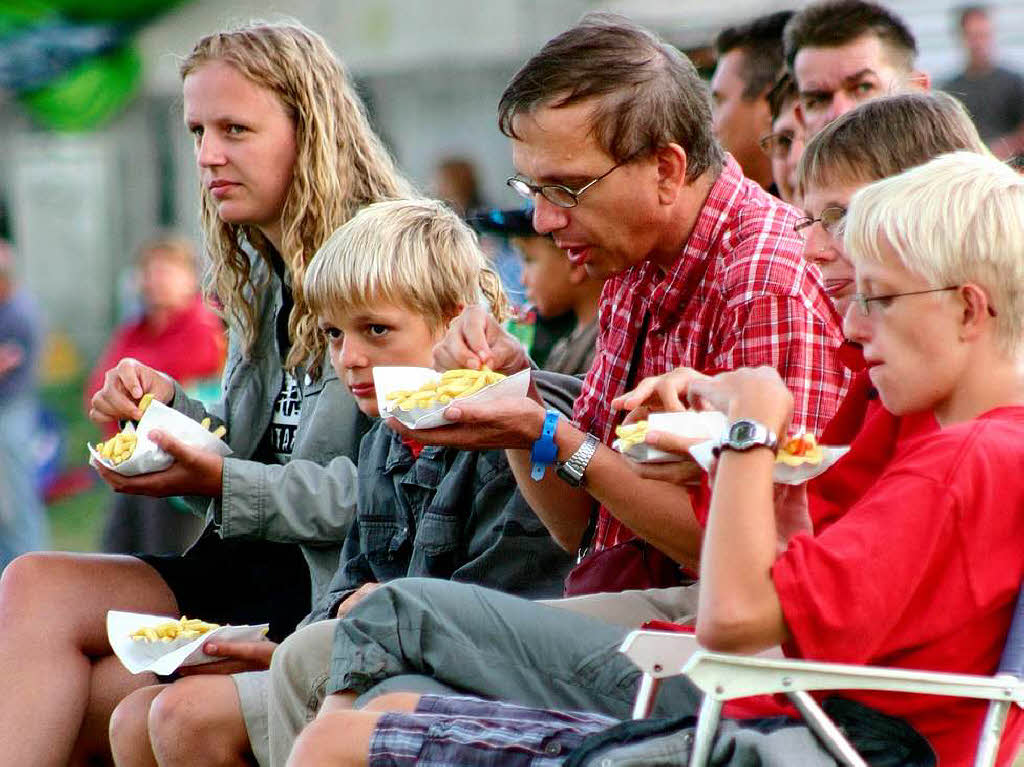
{"x": 53, "y": 610}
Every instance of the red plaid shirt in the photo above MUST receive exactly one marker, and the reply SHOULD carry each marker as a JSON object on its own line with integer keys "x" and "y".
{"x": 740, "y": 295}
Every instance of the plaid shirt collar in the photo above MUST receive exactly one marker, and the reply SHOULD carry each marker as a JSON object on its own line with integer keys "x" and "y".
{"x": 665, "y": 293}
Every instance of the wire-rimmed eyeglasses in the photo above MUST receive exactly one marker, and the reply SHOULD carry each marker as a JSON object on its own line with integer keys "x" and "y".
{"x": 830, "y": 218}
{"x": 863, "y": 301}
{"x": 557, "y": 194}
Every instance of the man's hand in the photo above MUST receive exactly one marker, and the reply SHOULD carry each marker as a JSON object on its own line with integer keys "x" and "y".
{"x": 355, "y": 598}
{"x": 505, "y": 423}
{"x": 239, "y": 656}
{"x": 194, "y": 472}
{"x": 123, "y": 387}
{"x": 666, "y": 392}
{"x": 474, "y": 340}
{"x": 685, "y": 472}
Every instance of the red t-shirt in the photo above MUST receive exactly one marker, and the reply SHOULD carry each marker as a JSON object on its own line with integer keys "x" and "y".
{"x": 189, "y": 348}
{"x": 921, "y": 572}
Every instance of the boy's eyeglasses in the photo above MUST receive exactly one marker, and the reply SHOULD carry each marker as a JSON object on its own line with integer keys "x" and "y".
{"x": 863, "y": 302}
{"x": 777, "y": 145}
{"x": 557, "y": 194}
{"x": 830, "y": 219}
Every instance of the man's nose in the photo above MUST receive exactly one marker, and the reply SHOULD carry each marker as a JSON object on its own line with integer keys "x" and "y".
{"x": 548, "y": 217}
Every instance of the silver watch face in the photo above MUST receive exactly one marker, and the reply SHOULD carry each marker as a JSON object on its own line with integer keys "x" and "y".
{"x": 744, "y": 434}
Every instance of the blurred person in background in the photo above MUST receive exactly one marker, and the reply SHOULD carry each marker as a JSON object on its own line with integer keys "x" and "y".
{"x": 844, "y": 52}
{"x": 457, "y": 183}
{"x": 785, "y": 144}
{"x": 563, "y": 296}
{"x": 177, "y": 332}
{"x": 22, "y": 516}
{"x": 749, "y": 62}
{"x": 181, "y": 336}
{"x": 993, "y": 95}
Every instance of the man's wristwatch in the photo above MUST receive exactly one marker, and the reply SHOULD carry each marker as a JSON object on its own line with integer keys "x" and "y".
{"x": 572, "y": 471}
{"x": 746, "y": 434}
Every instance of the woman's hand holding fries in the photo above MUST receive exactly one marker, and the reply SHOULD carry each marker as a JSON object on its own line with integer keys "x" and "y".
{"x": 194, "y": 472}
{"x": 123, "y": 388}
{"x": 475, "y": 340}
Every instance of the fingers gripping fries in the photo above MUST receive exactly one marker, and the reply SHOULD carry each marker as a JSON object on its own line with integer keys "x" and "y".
{"x": 183, "y": 628}
{"x": 631, "y": 434}
{"x": 121, "y": 446}
{"x": 454, "y": 384}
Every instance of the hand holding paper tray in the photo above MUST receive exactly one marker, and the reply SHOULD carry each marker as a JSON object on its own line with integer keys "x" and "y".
{"x": 691, "y": 424}
{"x": 783, "y": 473}
{"x": 390, "y": 379}
{"x": 147, "y": 457}
{"x": 164, "y": 657}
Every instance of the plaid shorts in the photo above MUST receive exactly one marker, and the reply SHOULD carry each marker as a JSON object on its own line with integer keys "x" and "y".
{"x": 448, "y": 730}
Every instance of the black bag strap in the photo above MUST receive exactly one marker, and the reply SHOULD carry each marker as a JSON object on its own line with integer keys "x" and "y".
{"x": 631, "y": 375}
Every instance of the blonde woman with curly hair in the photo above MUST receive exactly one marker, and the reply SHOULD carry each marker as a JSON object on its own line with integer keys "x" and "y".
{"x": 285, "y": 155}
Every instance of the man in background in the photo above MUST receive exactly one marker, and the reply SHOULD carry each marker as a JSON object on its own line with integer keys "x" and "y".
{"x": 22, "y": 517}
{"x": 844, "y": 52}
{"x": 993, "y": 95}
{"x": 749, "y": 62}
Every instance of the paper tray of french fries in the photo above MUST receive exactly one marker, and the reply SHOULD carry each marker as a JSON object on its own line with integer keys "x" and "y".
{"x": 418, "y": 397}
{"x": 800, "y": 458}
{"x": 131, "y": 452}
{"x": 691, "y": 424}
{"x": 161, "y": 644}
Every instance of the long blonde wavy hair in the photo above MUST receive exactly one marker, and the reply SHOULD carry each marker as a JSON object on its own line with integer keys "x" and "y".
{"x": 340, "y": 166}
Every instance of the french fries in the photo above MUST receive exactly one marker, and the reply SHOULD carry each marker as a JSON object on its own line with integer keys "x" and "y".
{"x": 121, "y": 446}
{"x": 454, "y": 384}
{"x": 183, "y": 628}
{"x": 803, "y": 448}
{"x": 631, "y": 434}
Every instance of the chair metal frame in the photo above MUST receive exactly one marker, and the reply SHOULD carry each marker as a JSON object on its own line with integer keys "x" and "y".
{"x": 723, "y": 677}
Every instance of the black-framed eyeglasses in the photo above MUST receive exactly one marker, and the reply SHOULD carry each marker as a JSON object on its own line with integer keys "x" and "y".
{"x": 830, "y": 218}
{"x": 557, "y": 194}
{"x": 863, "y": 302}
{"x": 777, "y": 144}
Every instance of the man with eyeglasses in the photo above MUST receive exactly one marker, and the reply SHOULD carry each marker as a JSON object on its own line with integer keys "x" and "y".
{"x": 612, "y": 142}
{"x": 845, "y": 52}
{"x": 785, "y": 143}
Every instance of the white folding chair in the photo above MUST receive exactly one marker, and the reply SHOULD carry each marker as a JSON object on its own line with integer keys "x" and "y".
{"x": 722, "y": 677}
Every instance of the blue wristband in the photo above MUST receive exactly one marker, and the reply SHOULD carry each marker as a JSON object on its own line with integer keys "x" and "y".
{"x": 544, "y": 450}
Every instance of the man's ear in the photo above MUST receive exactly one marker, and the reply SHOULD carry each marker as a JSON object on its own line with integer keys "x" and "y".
{"x": 919, "y": 81}
{"x": 798, "y": 112}
{"x": 977, "y": 311}
{"x": 672, "y": 164}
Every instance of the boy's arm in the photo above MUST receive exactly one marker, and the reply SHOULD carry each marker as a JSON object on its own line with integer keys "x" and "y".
{"x": 353, "y": 571}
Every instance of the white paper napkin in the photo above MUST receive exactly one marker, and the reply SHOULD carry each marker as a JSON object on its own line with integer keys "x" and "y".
{"x": 692, "y": 424}
{"x": 164, "y": 657}
{"x": 389, "y": 379}
{"x": 147, "y": 457}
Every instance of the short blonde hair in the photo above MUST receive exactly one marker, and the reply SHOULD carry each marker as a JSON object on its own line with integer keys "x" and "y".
{"x": 954, "y": 220}
{"x": 414, "y": 253}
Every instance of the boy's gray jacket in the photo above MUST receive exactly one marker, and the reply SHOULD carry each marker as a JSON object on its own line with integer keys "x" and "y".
{"x": 311, "y": 499}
